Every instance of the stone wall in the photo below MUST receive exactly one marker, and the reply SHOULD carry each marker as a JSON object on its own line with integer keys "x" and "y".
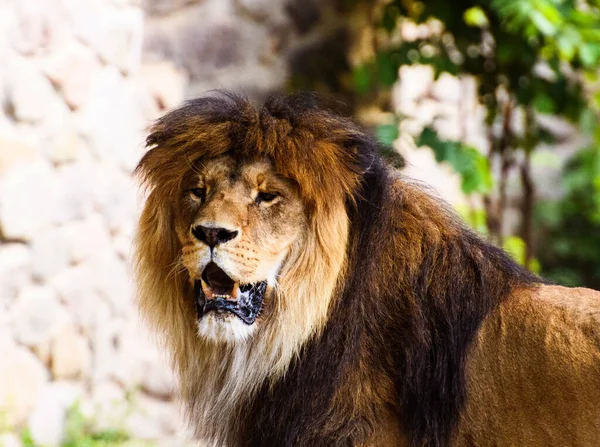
{"x": 76, "y": 100}
{"x": 248, "y": 46}
{"x": 79, "y": 83}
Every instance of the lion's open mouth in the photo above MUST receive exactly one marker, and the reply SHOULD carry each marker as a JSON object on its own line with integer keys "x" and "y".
{"x": 217, "y": 292}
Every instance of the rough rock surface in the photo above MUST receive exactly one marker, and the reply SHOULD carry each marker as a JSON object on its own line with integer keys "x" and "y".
{"x": 81, "y": 80}
{"x": 76, "y": 101}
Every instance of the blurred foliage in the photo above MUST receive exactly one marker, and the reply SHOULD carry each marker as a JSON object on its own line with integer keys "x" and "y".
{"x": 572, "y": 225}
{"x": 529, "y": 58}
{"x": 472, "y": 166}
{"x": 81, "y": 431}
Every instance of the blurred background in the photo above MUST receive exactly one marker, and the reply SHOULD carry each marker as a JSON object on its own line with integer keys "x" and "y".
{"x": 494, "y": 103}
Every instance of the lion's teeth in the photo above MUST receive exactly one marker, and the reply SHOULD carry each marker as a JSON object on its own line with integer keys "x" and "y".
{"x": 206, "y": 289}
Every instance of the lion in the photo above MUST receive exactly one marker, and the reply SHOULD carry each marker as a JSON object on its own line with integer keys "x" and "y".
{"x": 311, "y": 295}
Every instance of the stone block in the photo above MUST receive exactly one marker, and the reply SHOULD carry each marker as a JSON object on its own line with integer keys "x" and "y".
{"x": 36, "y": 26}
{"x": 71, "y": 69}
{"x": 35, "y": 314}
{"x": 86, "y": 237}
{"x": 47, "y": 421}
{"x": 22, "y": 377}
{"x": 70, "y": 353}
{"x": 80, "y": 297}
{"x": 162, "y": 7}
{"x": 49, "y": 253}
{"x": 114, "y": 33}
{"x": 15, "y": 271}
{"x": 146, "y": 364}
{"x": 13, "y": 152}
{"x": 165, "y": 82}
{"x": 112, "y": 120}
{"x": 28, "y": 200}
{"x": 76, "y": 185}
{"x": 30, "y": 93}
{"x": 152, "y": 419}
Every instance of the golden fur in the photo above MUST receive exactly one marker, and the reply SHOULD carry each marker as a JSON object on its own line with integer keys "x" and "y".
{"x": 436, "y": 302}
{"x": 163, "y": 246}
{"x": 534, "y": 372}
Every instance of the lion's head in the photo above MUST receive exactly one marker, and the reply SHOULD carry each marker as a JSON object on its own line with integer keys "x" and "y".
{"x": 237, "y": 222}
{"x": 242, "y": 242}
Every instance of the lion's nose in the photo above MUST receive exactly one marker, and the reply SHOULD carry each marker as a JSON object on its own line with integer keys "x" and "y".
{"x": 213, "y": 236}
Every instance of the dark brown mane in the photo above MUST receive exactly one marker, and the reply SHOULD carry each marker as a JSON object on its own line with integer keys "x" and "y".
{"x": 319, "y": 150}
{"x": 422, "y": 281}
{"x": 418, "y": 284}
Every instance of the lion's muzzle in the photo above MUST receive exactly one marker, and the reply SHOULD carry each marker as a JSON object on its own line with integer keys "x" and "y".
{"x": 217, "y": 292}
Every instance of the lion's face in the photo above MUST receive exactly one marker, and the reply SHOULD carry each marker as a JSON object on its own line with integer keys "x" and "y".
{"x": 244, "y": 235}
{"x": 236, "y": 223}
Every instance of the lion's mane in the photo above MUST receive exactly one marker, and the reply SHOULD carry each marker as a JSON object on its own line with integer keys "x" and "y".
{"x": 388, "y": 284}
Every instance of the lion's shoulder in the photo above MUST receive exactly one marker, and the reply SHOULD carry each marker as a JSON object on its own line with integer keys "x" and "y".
{"x": 573, "y": 311}
{"x": 578, "y": 301}
{"x": 565, "y": 310}
{"x": 559, "y": 319}
{"x": 534, "y": 370}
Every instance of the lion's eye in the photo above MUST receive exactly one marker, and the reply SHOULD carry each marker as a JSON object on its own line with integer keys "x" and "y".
{"x": 265, "y": 197}
{"x": 198, "y": 193}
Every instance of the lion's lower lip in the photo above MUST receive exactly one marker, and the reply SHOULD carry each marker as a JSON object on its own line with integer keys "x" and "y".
{"x": 246, "y": 306}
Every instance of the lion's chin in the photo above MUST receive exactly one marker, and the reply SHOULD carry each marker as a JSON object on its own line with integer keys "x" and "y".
{"x": 224, "y": 328}
{"x": 226, "y": 310}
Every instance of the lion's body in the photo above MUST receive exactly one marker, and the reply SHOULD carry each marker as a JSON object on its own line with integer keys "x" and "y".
{"x": 532, "y": 375}
{"x": 534, "y": 372}
{"x": 391, "y": 323}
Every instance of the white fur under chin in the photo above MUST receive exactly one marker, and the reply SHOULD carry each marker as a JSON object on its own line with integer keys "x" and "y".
{"x": 229, "y": 328}
{"x": 231, "y": 372}
{"x": 224, "y": 328}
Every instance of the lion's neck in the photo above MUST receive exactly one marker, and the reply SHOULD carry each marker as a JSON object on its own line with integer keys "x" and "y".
{"x": 426, "y": 283}
{"x": 232, "y": 373}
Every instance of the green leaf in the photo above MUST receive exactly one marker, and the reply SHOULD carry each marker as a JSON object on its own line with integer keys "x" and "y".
{"x": 545, "y": 26}
{"x": 591, "y": 35}
{"x": 428, "y": 137}
{"x": 361, "y": 77}
{"x": 589, "y": 53}
{"x": 515, "y": 246}
{"x": 475, "y": 17}
{"x": 387, "y": 133}
{"x": 474, "y": 169}
{"x": 387, "y": 69}
{"x": 596, "y": 98}
{"x": 475, "y": 217}
{"x": 584, "y": 18}
{"x": 568, "y": 41}
{"x": 27, "y": 439}
{"x": 482, "y": 165}
{"x": 588, "y": 121}
{"x": 390, "y": 17}
{"x": 467, "y": 161}
{"x": 543, "y": 103}
{"x": 550, "y": 12}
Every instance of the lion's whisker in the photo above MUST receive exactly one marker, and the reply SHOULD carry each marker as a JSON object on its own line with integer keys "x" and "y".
{"x": 176, "y": 268}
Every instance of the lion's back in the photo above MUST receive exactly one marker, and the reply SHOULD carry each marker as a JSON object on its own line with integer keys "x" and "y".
{"x": 534, "y": 371}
